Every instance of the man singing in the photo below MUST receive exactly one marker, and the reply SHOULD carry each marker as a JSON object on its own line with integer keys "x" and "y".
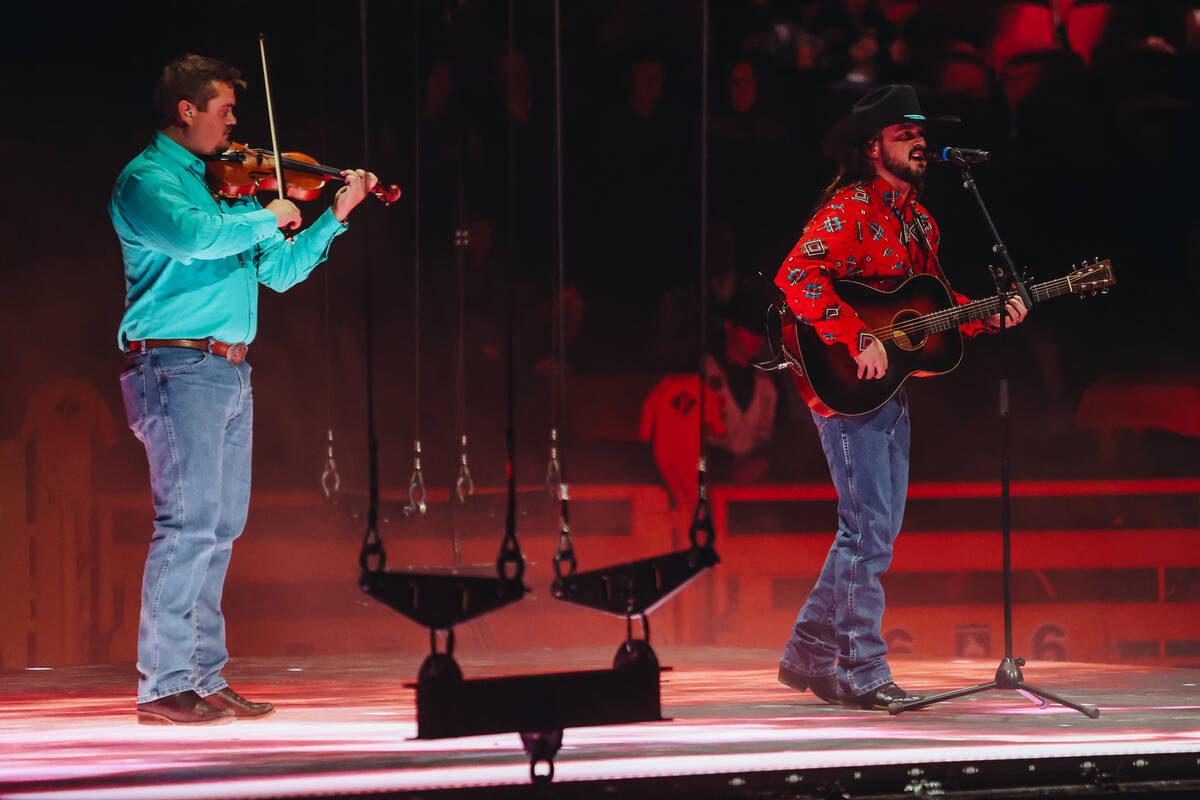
{"x": 193, "y": 263}
{"x": 868, "y": 227}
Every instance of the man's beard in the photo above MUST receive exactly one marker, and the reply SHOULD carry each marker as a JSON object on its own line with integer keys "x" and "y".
{"x": 906, "y": 170}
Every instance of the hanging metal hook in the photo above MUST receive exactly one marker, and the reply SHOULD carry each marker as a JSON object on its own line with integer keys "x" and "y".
{"x": 464, "y": 486}
{"x": 371, "y": 556}
{"x": 565, "y": 553}
{"x": 331, "y": 481}
{"x": 416, "y": 484}
{"x": 701, "y": 533}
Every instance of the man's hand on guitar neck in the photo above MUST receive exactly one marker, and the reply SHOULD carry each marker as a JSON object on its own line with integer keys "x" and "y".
{"x": 873, "y": 361}
{"x": 1015, "y": 311}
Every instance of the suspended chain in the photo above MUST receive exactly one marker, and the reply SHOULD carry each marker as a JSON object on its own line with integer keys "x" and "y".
{"x": 703, "y": 237}
{"x": 371, "y": 556}
{"x": 416, "y": 482}
{"x": 331, "y": 481}
{"x": 462, "y": 241}
{"x": 510, "y": 563}
{"x": 557, "y": 487}
{"x": 565, "y": 554}
{"x": 464, "y": 486}
{"x": 554, "y": 468}
{"x": 556, "y": 473}
{"x": 702, "y": 519}
{"x": 702, "y": 522}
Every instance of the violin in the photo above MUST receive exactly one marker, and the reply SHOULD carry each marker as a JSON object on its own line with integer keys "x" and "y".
{"x": 242, "y": 170}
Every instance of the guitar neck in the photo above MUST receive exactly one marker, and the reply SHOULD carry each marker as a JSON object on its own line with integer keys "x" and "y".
{"x": 982, "y": 309}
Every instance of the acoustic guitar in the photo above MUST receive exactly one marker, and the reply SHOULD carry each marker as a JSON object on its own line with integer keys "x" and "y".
{"x": 917, "y": 323}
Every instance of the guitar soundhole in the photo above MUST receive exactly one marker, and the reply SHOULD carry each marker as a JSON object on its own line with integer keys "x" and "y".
{"x": 905, "y": 335}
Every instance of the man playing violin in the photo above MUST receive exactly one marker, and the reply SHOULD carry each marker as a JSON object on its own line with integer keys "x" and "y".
{"x": 193, "y": 264}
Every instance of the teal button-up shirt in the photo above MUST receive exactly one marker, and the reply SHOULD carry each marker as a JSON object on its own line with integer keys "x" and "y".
{"x": 193, "y": 263}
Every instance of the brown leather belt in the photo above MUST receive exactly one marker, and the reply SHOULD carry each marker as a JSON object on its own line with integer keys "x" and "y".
{"x": 233, "y": 353}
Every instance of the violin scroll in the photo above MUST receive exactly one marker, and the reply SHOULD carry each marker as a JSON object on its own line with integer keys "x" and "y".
{"x": 387, "y": 194}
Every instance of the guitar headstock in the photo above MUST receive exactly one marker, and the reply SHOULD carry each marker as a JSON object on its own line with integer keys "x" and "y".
{"x": 1095, "y": 277}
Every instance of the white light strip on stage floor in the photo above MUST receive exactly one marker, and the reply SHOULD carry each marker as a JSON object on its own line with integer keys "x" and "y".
{"x": 589, "y": 770}
{"x": 60, "y": 751}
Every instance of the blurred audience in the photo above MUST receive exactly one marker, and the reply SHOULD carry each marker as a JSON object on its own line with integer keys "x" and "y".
{"x": 748, "y": 395}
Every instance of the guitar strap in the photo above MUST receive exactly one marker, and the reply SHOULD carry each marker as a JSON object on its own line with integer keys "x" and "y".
{"x": 780, "y": 358}
{"x": 922, "y": 237}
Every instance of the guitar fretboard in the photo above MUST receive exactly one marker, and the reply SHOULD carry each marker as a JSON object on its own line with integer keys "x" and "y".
{"x": 982, "y": 309}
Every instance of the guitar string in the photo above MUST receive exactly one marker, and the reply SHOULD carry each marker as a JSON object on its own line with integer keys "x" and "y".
{"x": 929, "y": 321}
{"x": 947, "y": 317}
{"x": 1040, "y": 292}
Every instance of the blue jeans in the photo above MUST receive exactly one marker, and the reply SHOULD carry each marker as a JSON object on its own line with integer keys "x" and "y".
{"x": 838, "y": 629}
{"x": 193, "y": 411}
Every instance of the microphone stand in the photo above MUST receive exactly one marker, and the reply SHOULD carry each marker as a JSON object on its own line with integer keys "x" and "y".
{"x": 1008, "y": 675}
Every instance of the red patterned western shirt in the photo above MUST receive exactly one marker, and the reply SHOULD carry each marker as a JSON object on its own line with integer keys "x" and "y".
{"x": 862, "y": 234}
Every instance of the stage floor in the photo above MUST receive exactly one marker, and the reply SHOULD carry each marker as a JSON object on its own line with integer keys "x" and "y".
{"x": 344, "y": 726}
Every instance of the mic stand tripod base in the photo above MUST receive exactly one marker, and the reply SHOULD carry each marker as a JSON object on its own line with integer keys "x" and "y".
{"x": 1008, "y": 676}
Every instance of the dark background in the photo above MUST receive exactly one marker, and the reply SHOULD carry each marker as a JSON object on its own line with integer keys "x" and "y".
{"x": 1096, "y": 159}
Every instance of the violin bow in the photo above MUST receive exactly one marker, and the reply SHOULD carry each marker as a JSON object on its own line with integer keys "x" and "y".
{"x": 262, "y": 49}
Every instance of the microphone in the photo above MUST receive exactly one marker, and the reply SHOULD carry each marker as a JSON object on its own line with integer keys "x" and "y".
{"x": 960, "y": 156}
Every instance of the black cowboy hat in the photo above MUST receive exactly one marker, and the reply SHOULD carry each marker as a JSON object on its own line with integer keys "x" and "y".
{"x": 888, "y": 105}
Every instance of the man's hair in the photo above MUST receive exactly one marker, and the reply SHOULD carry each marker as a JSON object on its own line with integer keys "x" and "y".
{"x": 856, "y": 167}
{"x": 192, "y": 78}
